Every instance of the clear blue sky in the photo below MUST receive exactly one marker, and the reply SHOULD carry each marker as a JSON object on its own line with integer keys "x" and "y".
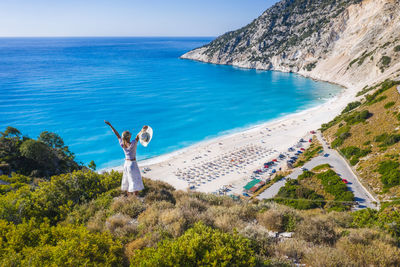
{"x": 126, "y": 17}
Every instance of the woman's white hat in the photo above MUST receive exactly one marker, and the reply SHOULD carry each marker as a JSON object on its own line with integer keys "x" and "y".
{"x": 145, "y": 136}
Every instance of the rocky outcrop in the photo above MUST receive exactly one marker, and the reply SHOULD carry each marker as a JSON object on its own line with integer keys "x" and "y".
{"x": 349, "y": 42}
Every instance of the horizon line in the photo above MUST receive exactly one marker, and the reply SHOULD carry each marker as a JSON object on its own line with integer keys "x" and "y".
{"x": 115, "y": 36}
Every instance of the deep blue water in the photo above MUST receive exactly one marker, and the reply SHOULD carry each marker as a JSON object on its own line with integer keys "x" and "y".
{"x": 70, "y": 85}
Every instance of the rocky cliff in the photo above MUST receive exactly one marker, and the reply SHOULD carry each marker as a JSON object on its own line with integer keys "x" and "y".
{"x": 349, "y": 42}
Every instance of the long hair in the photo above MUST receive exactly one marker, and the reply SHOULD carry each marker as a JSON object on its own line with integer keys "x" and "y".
{"x": 126, "y": 137}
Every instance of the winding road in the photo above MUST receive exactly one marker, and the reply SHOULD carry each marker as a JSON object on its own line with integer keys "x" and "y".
{"x": 339, "y": 164}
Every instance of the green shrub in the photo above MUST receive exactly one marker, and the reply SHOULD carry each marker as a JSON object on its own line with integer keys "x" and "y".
{"x": 354, "y": 161}
{"x": 390, "y": 173}
{"x": 198, "y": 246}
{"x": 305, "y": 174}
{"x": 389, "y": 104}
{"x": 387, "y": 84}
{"x": 367, "y": 143}
{"x": 43, "y": 157}
{"x": 385, "y": 60}
{"x": 54, "y": 199}
{"x": 364, "y": 218}
{"x": 337, "y": 142}
{"x": 387, "y": 139}
{"x": 351, "y": 106}
{"x": 34, "y": 244}
{"x": 343, "y": 130}
{"x": 389, "y": 220}
{"x": 341, "y": 134}
{"x": 333, "y": 122}
{"x": 277, "y": 178}
{"x": 310, "y": 66}
{"x": 357, "y": 117}
{"x": 396, "y": 48}
{"x": 334, "y": 185}
{"x": 14, "y": 182}
{"x": 354, "y": 153}
{"x": 297, "y": 196}
{"x": 308, "y": 154}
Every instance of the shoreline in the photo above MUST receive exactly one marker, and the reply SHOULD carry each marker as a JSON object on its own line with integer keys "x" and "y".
{"x": 273, "y": 137}
{"x": 227, "y": 134}
{"x": 167, "y": 156}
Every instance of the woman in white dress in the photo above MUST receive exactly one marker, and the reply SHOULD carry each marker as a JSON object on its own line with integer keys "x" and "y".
{"x": 131, "y": 178}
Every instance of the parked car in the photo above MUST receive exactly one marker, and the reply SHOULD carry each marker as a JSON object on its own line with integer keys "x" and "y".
{"x": 345, "y": 181}
{"x": 304, "y": 169}
{"x": 326, "y": 155}
{"x": 246, "y": 195}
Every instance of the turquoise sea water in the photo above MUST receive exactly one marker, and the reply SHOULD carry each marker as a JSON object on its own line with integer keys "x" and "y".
{"x": 70, "y": 85}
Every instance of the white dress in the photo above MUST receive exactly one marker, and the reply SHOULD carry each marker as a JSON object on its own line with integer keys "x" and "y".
{"x": 131, "y": 178}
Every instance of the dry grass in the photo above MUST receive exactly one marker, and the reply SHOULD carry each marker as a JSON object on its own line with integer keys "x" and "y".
{"x": 260, "y": 236}
{"x": 292, "y": 248}
{"x": 376, "y": 253}
{"x": 318, "y": 231}
{"x": 173, "y": 221}
{"x": 134, "y": 245}
{"x": 96, "y": 223}
{"x": 277, "y": 220}
{"x": 129, "y": 206}
{"x": 326, "y": 256}
{"x": 320, "y": 239}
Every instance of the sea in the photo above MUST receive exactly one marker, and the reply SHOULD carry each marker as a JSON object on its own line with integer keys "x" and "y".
{"x": 71, "y": 85}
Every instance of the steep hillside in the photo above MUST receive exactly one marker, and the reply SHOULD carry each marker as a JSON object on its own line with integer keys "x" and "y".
{"x": 368, "y": 134}
{"x": 349, "y": 42}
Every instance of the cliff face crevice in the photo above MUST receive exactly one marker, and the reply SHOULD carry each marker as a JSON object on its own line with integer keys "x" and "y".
{"x": 349, "y": 42}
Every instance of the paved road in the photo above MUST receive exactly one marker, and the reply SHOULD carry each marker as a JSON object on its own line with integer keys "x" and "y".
{"x": 362, "y": 196}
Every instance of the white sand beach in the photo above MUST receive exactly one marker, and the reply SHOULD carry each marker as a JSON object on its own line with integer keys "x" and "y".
{"x": 230, "y": 160}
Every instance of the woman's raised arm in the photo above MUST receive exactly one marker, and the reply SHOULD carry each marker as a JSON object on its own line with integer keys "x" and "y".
{"x": 113, "y": 129}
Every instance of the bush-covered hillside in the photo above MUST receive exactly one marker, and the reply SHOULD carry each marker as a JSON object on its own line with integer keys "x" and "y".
{"x": 367, "y": 133}
{"x": 81, "y": 218}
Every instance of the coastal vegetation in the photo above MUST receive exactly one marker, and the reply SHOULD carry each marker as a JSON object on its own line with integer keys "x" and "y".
{"x": 367, "y": 134}
{"x": 42, "y": 157}
{"x": 322, "y": 188}
{"x": 172, "y": 228}
{"x": 82, "y": 218}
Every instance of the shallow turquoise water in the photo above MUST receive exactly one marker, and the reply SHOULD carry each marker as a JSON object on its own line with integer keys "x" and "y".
{"x": 70, "y": 85}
